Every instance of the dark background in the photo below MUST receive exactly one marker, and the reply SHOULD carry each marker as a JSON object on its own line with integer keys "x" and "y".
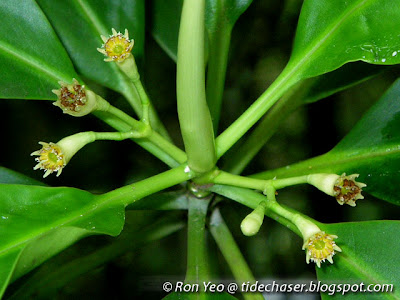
{"x": 260, "y": 48}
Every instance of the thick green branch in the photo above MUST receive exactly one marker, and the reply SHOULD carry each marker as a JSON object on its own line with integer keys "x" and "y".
{"x": 133, "y": 192}
{"x": 194, "y": 115}
{"x": 197, "y": 263}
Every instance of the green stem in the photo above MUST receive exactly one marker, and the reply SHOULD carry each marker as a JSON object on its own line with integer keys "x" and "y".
{"x": 231, "y": 252}
{"x": 193, "y": 112}
{"x": 133, "y": 192}
{"x": 238, "y": 128}
{"x": 154, "y": 143}
{"x": 318, "y": 164}
{"x": 197, "y": 266}
{"x": 252, "y": 199}
{"x": 133, "y": 97}
{"x": 142, "y": 93}
{"x": 238, "y": 161}
{"x": 217, "y": 64}
{"x": 257, "y": 184}
{"x": 124, "y": 117}
{"x": 167, "y": 147}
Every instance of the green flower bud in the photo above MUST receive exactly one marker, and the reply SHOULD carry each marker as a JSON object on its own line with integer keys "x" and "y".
{"x": 251, "y": 224}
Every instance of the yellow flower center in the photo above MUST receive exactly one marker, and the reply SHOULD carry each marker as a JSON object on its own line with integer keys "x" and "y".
{"x": 118, "y": 47}
{"x": 320, "y": 247}
{"x": 50, "y": 158}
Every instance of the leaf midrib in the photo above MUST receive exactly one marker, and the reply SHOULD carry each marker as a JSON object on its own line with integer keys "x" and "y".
{"x": 80, "y": 214}
{"x": 362, "y": 270}
{"x": 32, "y": 61}
{"x": 327, "y": 34}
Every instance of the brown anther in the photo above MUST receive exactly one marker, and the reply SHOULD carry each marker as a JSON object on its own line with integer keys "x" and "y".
{"x": 72, "y": 99}
{"x": 347, "y": 190}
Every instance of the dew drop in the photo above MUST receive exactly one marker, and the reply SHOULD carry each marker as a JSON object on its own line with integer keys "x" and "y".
{"x": 383, "y": 59}
{"x": 394, "y": 53}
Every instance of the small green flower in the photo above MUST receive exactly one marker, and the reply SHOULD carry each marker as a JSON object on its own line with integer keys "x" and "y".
{"x": 53, "y": 157}
{"x": 348, "y": 190}
{"x": 344, "y": 188}
{"x": 320, "y": 247}
{"x": 74, "y": 99}
{"x": 117, "y": 47}
{"x": 50, "y": 158}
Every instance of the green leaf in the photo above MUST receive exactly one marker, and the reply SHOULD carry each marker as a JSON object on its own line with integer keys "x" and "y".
{"x": 81, "y": 38}
{"x": 79, "y": 24}
{"x": 370, "y": 252}
{"x": 332, "y": 33}
{"x": 227, "y": 12}
{"x": 308, "y": 91}
{"x": 58, "y": 272}
{"x": 371, "y": 149}
{"x": 10, "y": 176}
{"x": 37, "y": 222}
{"x": 30, "y": 53}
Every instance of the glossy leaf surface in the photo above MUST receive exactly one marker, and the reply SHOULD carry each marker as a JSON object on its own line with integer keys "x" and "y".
{"x": 331, "y": 33}
{"x": 37, "y": 222}
{"x": 79, "y": 24}
{"x": 371, "y": 149}
{"x": 227, "y": 12}
{"x": 10, "y": 176}
{"x": 369, "y": 252}
{"x": 63, "y": 269}
{"x": 30, "y": 52}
